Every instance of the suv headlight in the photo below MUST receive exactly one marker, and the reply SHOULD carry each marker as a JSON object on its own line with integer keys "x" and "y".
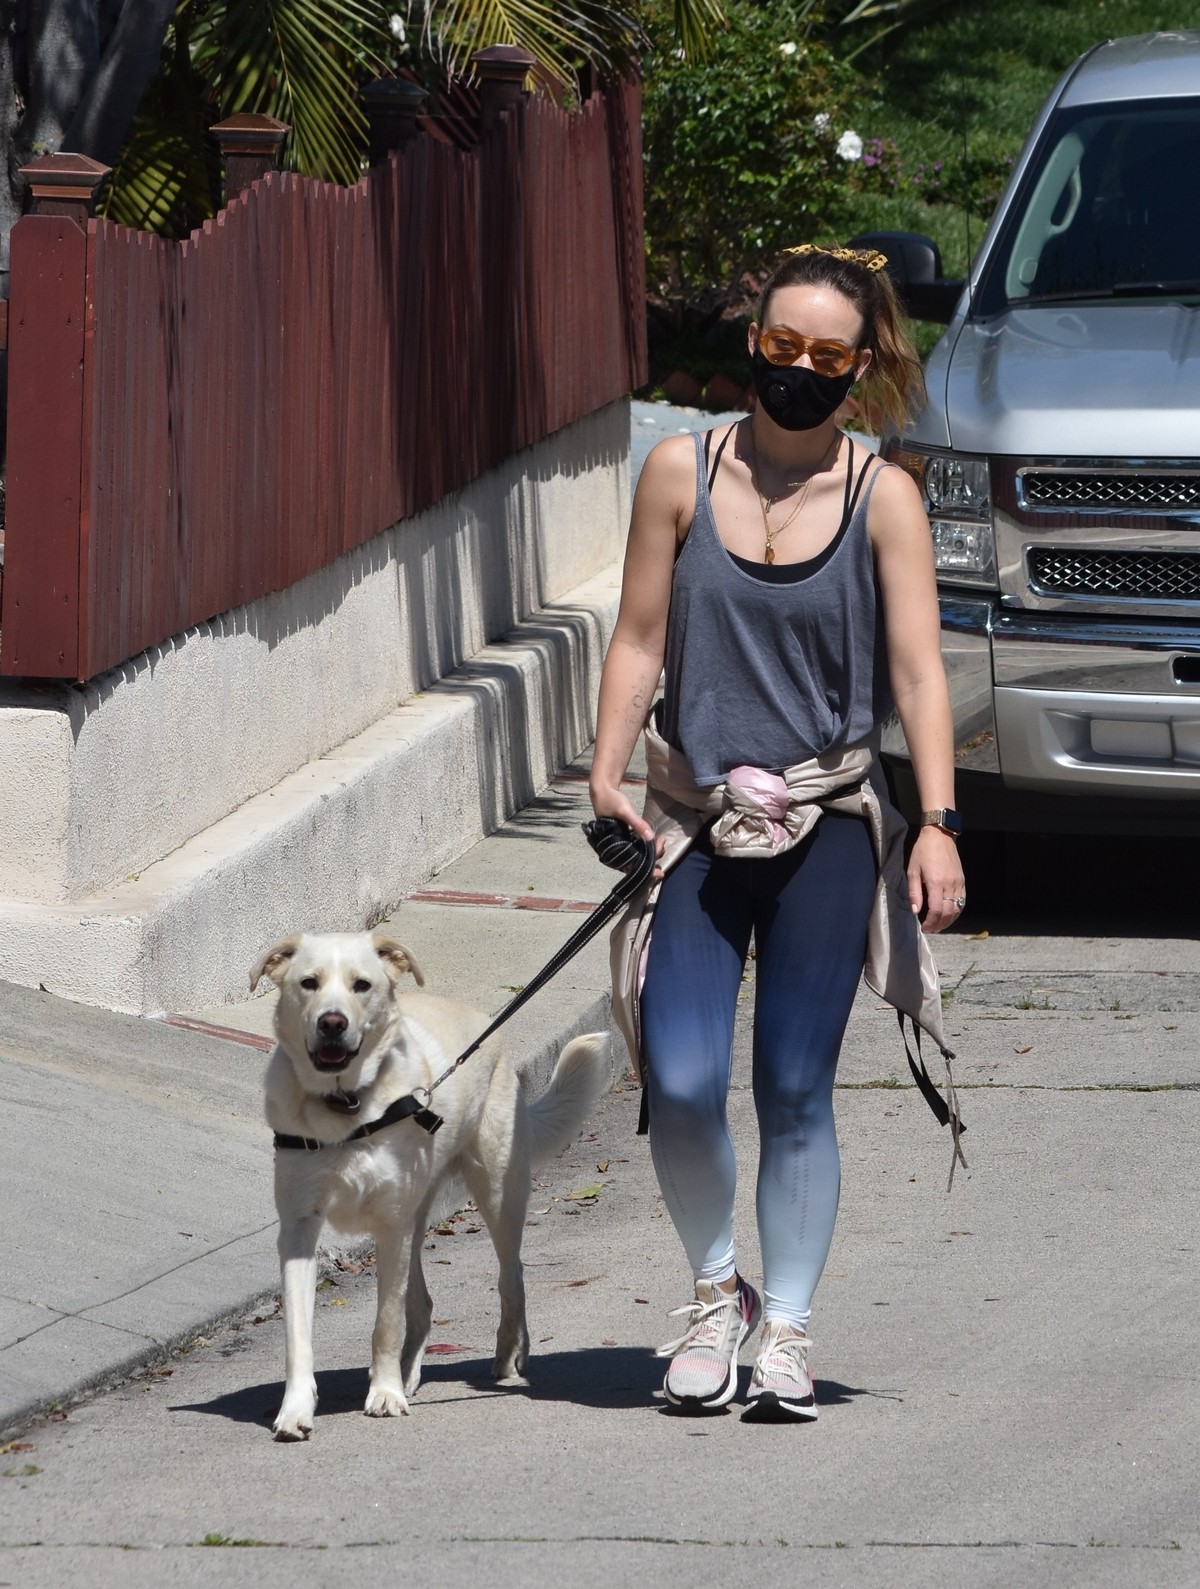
{"x": 958, "y": 499}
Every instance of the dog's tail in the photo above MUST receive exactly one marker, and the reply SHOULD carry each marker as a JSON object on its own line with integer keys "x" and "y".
{"x": 583, "y": 1072}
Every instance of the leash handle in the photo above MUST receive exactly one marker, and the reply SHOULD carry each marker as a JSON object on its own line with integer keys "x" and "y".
{"x": 644, "y": 854}
{"x": 614, "y": 841}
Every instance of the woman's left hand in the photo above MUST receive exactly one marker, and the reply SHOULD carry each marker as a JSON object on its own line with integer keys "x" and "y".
{"x": 936, "y": 889}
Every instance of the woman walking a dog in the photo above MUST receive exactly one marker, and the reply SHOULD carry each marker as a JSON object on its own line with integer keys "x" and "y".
{"x": 784, "y": 576}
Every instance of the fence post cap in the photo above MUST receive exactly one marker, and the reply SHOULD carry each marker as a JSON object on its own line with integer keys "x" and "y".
{"x": 393, "y": 93}
{"x": 75, "y": 176}
{"x": 503, "y": 63}
{"x": 250, "y": 133}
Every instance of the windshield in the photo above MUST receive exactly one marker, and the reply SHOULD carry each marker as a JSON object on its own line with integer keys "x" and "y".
{"x": 1109, "y": 208}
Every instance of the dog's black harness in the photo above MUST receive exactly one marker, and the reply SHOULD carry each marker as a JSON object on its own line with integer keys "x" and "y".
{"x": 617, "y": 845}
{"x": 402, "y": 1109}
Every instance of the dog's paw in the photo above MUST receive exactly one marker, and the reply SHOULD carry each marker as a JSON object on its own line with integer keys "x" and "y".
{"x": 386, "y": 1401}
{"x": 295, "y": 1418}
{"x": 294, "y": 1428}
{"x": 511, "y": 1379}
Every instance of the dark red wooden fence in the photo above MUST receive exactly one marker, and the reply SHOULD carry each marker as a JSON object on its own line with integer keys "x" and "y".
{"x": 195, "y": 424}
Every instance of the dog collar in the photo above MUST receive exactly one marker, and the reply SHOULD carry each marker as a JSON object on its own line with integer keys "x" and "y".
{"x": 404, "y": 1108}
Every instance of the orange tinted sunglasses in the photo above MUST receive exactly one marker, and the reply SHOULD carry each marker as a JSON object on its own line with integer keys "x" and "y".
{"x": 785, "y": 347}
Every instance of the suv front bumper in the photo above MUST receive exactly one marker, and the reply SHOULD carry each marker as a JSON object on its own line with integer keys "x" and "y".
{"x": 1062, "y": 704}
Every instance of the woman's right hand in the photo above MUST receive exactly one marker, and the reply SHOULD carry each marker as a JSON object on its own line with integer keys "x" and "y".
{"x": 608, "y": 801}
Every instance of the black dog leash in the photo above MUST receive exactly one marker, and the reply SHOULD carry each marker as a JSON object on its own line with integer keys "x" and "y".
{"x": 617, "y": 845}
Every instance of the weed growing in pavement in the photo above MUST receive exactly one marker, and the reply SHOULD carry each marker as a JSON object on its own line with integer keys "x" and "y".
{"x": 224, "y": 1540}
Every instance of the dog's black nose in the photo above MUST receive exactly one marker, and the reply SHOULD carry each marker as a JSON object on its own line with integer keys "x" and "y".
{"x": 331, "y": 1024}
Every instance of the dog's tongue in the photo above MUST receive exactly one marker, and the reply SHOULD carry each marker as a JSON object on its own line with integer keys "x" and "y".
{"x": 331, "y": 1053}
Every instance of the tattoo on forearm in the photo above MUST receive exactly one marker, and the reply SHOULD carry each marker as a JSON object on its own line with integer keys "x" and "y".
{"x": 635, "y": 714}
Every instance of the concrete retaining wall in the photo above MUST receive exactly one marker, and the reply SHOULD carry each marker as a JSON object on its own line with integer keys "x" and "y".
{"x": 308, "y": 759}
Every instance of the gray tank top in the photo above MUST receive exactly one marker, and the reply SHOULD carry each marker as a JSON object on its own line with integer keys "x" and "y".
{"x": 766, "y": 673}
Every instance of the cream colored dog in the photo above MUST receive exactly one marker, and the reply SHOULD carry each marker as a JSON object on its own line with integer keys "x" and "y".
{"x": 348, "y": 1046}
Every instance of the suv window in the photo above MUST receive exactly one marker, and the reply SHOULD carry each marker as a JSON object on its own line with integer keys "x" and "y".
{"x": 1109, "y": 208}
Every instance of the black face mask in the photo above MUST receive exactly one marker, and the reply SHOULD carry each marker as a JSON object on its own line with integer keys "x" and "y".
{"x": 794, "y": 396}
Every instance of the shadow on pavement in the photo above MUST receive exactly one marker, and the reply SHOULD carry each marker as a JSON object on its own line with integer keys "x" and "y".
{"x": 1059, "y": 885}
{"x": 604, "y": 1377}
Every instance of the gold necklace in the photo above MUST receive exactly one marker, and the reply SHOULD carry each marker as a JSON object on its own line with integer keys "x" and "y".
{"x": 769, "y": 550}
{"x": 773, "y": 534}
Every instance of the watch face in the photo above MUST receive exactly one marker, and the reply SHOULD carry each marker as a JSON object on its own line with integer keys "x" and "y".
{"x": 952, "y": 822}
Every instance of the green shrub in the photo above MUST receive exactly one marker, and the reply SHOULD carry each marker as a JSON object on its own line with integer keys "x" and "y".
{"x": 742, "y": 148}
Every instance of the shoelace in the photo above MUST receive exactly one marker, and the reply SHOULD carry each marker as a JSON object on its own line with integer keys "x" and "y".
{"x": 786, "y": 1357}
{"x": 710, "y": 1320}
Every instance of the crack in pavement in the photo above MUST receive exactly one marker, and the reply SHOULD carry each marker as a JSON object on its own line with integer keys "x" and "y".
{"x": 84, "y": 1314}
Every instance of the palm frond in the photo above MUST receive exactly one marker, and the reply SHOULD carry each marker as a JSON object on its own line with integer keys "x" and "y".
{"x": 695, "y": 23}
{"x": 898, "y": 10}
{"x": 297, "y": 60}
{"x": 161, "y": 181}
{"x": 899, "y": 13}
{"x": 561, "y": 36}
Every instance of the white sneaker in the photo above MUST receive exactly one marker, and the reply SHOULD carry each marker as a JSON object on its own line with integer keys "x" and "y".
{"x": 703, "y": 1371}
{"x": 781, "y": 1386}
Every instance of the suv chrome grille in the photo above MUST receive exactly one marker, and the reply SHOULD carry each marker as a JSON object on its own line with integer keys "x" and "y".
{"x": 1110, "y": 491}
{"x": 1130, "y": 576}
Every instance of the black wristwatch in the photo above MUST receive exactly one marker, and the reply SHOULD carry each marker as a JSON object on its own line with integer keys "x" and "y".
{"x": 949, "y": 821}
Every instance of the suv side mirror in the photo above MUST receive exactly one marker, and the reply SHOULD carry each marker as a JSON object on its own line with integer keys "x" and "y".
{"x": 914, "y": 263}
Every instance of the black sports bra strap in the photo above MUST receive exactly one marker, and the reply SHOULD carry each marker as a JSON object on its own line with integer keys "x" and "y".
{"x": 849, "y": 478}
{"x": 716, "y": 463}
{"x": 852, "y": 501}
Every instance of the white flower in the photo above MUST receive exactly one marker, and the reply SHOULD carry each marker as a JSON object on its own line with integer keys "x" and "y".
{"x": 821, "y": 120}
{"x": 396, "y": 27}
{"x": 787, "y": 49}
{"x": 850, "y": 146}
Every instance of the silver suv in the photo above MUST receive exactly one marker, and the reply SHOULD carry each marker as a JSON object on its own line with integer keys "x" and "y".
{"x": 1060, "y": 458}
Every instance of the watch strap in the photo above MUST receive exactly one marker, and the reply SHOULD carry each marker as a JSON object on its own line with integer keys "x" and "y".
{"x": 948, "y": 820}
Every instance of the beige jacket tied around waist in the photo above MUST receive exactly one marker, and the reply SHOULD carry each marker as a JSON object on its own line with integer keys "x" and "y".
{"x": 899, "y": 963}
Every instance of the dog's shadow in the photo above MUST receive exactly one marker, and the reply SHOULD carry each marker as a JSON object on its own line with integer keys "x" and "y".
{"x": 603, "y": 1377}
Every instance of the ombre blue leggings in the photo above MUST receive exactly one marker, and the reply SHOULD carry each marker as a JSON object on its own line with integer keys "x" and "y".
{"x": 808, "y": 910}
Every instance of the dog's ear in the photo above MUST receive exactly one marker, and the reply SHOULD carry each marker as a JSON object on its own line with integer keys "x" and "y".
{"x": 396, "y": 957}
{"x": 273, "y": 961}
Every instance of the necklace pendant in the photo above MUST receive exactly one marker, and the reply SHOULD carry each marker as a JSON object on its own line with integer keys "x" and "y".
{"x": 769, "y": 554}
